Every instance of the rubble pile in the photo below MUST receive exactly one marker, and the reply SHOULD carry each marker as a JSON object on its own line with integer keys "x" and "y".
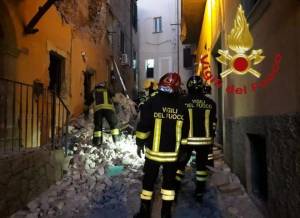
{"x": 89, "y": 178}
{"x": 126, "y": 111}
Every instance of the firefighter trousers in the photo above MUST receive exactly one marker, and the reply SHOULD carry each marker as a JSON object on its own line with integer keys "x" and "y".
{"x": 204, "y": 158}
{"x": 111, "y": 118}
{"x": 151, "y": 170}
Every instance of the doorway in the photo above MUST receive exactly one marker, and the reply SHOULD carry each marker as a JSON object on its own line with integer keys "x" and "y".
{"x": 56, "y": 72}
{"x": 258, "y": 167}
{"x": 87, "y": 84}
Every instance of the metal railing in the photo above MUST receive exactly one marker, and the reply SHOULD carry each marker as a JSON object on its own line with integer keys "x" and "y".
{"x": 31, "y": 116}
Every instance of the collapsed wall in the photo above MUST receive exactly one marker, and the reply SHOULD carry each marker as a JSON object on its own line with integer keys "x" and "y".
{"x": 85, "y": 16}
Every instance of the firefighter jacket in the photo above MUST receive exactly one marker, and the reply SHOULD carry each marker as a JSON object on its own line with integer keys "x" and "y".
{"x": 164, "y": 121}
{"x": 102, "y": 98}
{"x": 202, "y": 118}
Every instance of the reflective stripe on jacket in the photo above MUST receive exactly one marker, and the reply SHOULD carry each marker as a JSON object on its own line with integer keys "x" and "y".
{"x": 202, "y": 117}
{"x": 163, "y": 122}
{"x": 102, "y": 100}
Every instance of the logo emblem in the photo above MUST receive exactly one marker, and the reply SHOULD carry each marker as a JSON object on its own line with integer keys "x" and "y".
{"x": 240, "y": 41}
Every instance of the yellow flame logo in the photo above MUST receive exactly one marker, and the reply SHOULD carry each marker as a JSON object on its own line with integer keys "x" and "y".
{"x": 240, "y": 41}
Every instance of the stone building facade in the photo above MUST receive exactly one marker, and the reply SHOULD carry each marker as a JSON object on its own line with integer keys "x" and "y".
{"x": 69, "y": 46}
{"x": 161, "y": 50}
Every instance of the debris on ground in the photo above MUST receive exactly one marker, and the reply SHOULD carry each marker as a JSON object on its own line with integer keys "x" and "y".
{"x": 89, "y": 176}
{"x": 106, "y": 182}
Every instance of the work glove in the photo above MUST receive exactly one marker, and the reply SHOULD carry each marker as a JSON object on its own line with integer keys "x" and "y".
{"x": 140, "y": 150}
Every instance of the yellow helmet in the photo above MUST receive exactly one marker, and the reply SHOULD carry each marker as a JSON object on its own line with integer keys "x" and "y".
{"x": 149, "y": 82}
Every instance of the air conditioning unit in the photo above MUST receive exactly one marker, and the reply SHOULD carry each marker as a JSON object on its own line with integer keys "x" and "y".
{"x": 124, "y": 59}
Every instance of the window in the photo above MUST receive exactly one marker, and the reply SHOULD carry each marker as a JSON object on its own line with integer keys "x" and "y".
{"x": 122, "y": 42}
{"x": 149, "y": 65}
{"x": 157, "y": 25}
{"x": 134, "y": 15}
{"x": 134, "y": 61}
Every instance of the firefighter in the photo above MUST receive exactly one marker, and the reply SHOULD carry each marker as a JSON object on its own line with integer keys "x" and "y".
{"x": 103, "y": 108}
{"x": 150, "y": 86}
{"x": 202, "y": 116}
{"x": 163, "y": 119}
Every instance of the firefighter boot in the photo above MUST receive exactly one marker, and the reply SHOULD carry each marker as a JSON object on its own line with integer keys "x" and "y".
{"x": 97, "y": 138}
{"x": 115, "y": 135}
{"x": 116, "y": 138}
{"x": 166, "y": 209}
{"x": 145, "y": 210}
{"x": 200, "y": 191}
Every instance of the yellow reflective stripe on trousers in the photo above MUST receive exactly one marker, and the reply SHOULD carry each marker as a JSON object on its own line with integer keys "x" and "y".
{"x": 180, "y": 172}
{"x": 104, "y": 106}
{"x": 207, "y": 131}
{"x": 201, "y": 179}
{"x": 167, "y": 192}
{"x": 161, "y": 159}
{"x": 179, "y": 124}
{"x": 142, "y": 135}
{"x": 168, "y": 195}
{"x": 147, "y": 193}
{"x": 161, "y": 154}
{"x": 191, "y": 132}
{"x": 168, "y": 198}
{"x": 178, "y": 178}
{"x": 144, "y": 197}
{"x": 157, "y": 133}
{"x": 97, "y": 134}
{"x": 201, "y": 173}
{"x": 115, "y": 132}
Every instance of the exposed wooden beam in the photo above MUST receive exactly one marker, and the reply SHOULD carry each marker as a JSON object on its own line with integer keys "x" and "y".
{"x": 30, "y": 27}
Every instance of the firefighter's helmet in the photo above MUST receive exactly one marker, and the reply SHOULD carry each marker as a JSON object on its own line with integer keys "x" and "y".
{"x": 195, "y": 84}
{"x": 150, "y": 84}
{"x": 170, "y": 82}
{"x": 101, "y": 85}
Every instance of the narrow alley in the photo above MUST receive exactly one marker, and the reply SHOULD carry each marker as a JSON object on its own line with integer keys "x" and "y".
{"x": 149, "y": 108}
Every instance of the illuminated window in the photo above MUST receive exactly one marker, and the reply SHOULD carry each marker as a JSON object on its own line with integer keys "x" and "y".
{"x": 157, "y": 25}
{"x": 149, "y": 65}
